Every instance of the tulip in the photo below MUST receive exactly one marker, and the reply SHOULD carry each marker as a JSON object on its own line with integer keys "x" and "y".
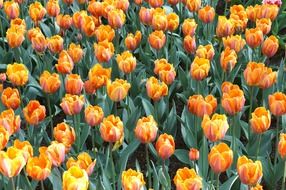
{"x": 132, "y": 41}
{"x": 254, "y": 37}
{"x": 155, "y": 89}
{"x": 4, "y": 137}
{"x": 15, "y": 37}
{"x": 146, "y": 15}
{"x": 146, "y": 129}
{"x": 39, "y": 43}
{"x": 268, "y": 78}
{"x": 173, "y": 21}
{"x": 199, "y": 105}
{"x": 225, "y": 27}
{"x": 65, "y": 63}
{"x": 88, "y": 26}
{"x": 93, "y": 115}
{"x": 75, "y": 52}
{"x": 33, "y": 32}
{"x": 193, "y": 5}
{"x": 186, "y": 178}
{"x": 95, "y": 8}
{"x": 194, "y": 154}
{"x": 157, "y": 39}
{"x": 189, "y": 44}
{"x": 24, "y": 147}
{"x": 277, "y": 103}
{"x": 132, "y": 180}
{"x": 104, "y": 32}
{"x": 206, "y": 14}
{"x": 200, "y": 68}
{"x": 122, "y": 4}
{"x": 159, "y": 19}
{"x": 118, "y": 89}
{"x": 252, "y": 12}
{"x": 282, "y": 145}
{"x": 19, "y": 24}
{"x": 189, "y": 27}
{"x": 249, "y": 172}
{"x": 72, "y": 104}
{"x": 165, "y": 71}
{"x": 39, "y": 168}
{"x": 88, "y": 87}
{"x": 73, "y": 84}
{"x": 220, "y": 157}
{"x": 270, "y": 46}
{"x": 173, "y": 2}
{"x": 260, "y": 120}
{"x": 234, "y": 42}
{"x": 56, "y": 44}
{"x": 126, "y": 62}
{"x": 11, "y": 9}
{"x": 206, "y": 52}
{"x": 50, "y": 82}
{"x": 34, "y": 112}
{"x": 228, "y": 59}
{"x": 37, "y": 12}
{"x": 83, "y": 161}
{"x": 253, "y": 73}
{"x": 165, "y": 146}
{"x": 56, "y": 153}
{"x": 65, "y": 134}
{"x": 99, "y": 75}
{"x": 103, "y": 51}
{"x": 10, "y": 121}
{"x": 10, "y": 98}
{"x": 116, "y": 18}
{"x": 111, "y": 129}
{"x": 264, "y": 25}
{"x": 216, "y": 127}
{"x": 233, "y": 101}
{"x": 239, "y": 20}
{"x": 77, "y": 19}
{"x": 64, "y": 21}
{"x": 75, "y": 178}
{"x": 156, "y": 3}
{"x": 268, "y": 11}
{"x": 53, "y": 8}
{"x": 17, "y": 73}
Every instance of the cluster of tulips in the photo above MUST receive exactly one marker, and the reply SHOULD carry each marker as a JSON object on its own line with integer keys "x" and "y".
{"x": 85, "y": 83}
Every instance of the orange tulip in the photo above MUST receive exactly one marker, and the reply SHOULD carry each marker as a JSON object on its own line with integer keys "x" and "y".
{"x": 11, "y": 9}
{"x": 165, "y": 146}
{"x": 24, "y": 147}
{"x": 99, "y": 75}
{"x": 253, "y": 72}
{"x": 19, "y": 24}
{"x": 111, "y": 129}
{"x": 157, "y": 39}
{"x": 88, "y": 87}
{"x": 95, "y": 8}
{"x": 118, "y": 89}
{"x": 75, "y": 52}
{"x": 270, "y": 46}
{"x": 11, "y": 162}
{"x": 254, "y": 37}
{"x": 146, "y": 129}
{"x": 159, "y": 19}
{"x": 93, "y": 115}
{"x": 155, "y": 89}
{"x": 216, "y": 127}
{"x": 228, "y": 59}
{"x": 234, "y": 42}
{"x": 37, "y": 12}
{"x": 260, "y": 120}
{"x": 39, "y": 168}
{"x": 156, "y": 3}
{"x": 83, "y": 161}
{"x": 15, "y": 36}
{"x": 173, "y": 2}
{"x": 88, "y": 26}
{"x": 10, "y": 121}
{"x": 220, "y": 157}
{"x": 277, "y": 103}
{"x": 56, "y": 44}
{"x": 103, "y": 51}
{"x": 34, "y": 112}
{"x": 239, "y": 20}
{"x": 50, "y": 83}
{"x": 39, "y": 43}
{"x": 132, "y": 180}
{"x": 65, "y": 134}
{"x": 206, "y": 14}
{"x": 64, "y": 21}
{"x": 104, "y": 32}
{"x": 186, "y": 178}
{"x": 199, "y": 105}
{"x": 252, "y": 12}
{"x": 282, "y": 145}
{"x": 33, "y": 32}
{"x": 10, "y": 98}
{"x": 165, "y": 71}
{"x": 190, "y": 44}
{"x": 4, "y": 137}
{"x": 77, "y": 19}
{"x": 126, "y": 62}
{"x": 193, "y": 5}
{"x": 200, "y": 68}
{"x": 17, "y": 73}
{"x": 264, "y": 25}
{"x": 132, "y": 41}
{"x": 194, "y": 154}
{"x": 53, "y": 8}
{"x": 206, "y": 52}
{"x": 75, "y": 178}
{"x": 56, "y": 153}
{"x": 72, "y": 104}
{"x": 116, "y": 18}
{"x": 122, "y": 4}
{"x": 189, "y": 27}
{"x": 249, "y": 172}
{"x": 268, "y": 78}
{"x": 107, "y": 6}
{"x": 173, "y": 21}
{"x": 233, "y": 101}
{"x": 267, "y": 11}
{"x": 225, "y": 27}
{"x": 73, "y": 84}
{"x": 65, "y": 63}
{"x": 146, "y": 15}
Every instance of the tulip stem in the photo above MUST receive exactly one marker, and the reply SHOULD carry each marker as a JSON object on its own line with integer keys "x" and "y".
{"x": 51, "y": 115}
{"x": 13, "y": 183}
{"x": 112, "y": 166}
{"x": 92, "y": 136}
{"x": 277, "y": 136}
{"x": 217, "y": 181}
{"x": 250, "y": 109}
{"x": 284, "y": 175}
{"x": 42, "y": 185}
{"x": 148, "y": 165}
{"x": 259, "y": 141}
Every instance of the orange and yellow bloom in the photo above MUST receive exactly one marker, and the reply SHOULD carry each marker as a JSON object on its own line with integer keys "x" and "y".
{"x": 18, "y": 74}
{"x": 186, "y": 178}
{"x": 156, "y": 89}
{"x": 118, "y": 89}
{"x": 220, "y": 158}
{"x": 199, "y": 105}
{"x": 165, "y": 146}
{"x": 34, "y": 112}
{"x": 132, "y": 180}
{"x": 146, "y": 129}
{"x": 111, "y": 129}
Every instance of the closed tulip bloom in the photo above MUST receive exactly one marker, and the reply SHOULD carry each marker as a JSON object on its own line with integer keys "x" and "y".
{"x": 107, "y": 6}
{"x": 155, "y": 89}
{"x": 228, "y": 86}
{"x": 146, "y": 15}
{"x": 257, "y": 187}
{"x": 264, "y": 25}
{"x": 95, "y": 8}
{"x": 10, "y": 98}
{"x": 72, "y": 104}
{"x": 220, "y": 157}
{"x": 88, "y": 87}
{"x": 99, "y": 75}
{"x": 104, "y": 32}
{"x": 39, "y": 43}
{"x": 56, "y": 153}
{"x": 75, "y": 52}
{"x": 199, "y": 105}
{"x": 36, "y": 12}
{"x": 189, "y": 27}
{"x": 15, "y": 37}
{"x": 50, "y": 82}
{"x": 111, "y": 129}
{"x": 17, "y": 73}
{"x": 11, "y": 9}
{"x": 228, "y": 59}
{"x": 254, "y": 37}
{"x": 233, "y": 101}
{"x": 93, "y": 115}
{"x": 234, "y": 9}
{"x": 122, "y": 4}
{"x": 260, "y": 120}
{"x": 157, "y": 39}
{"x": 53, "y": 8}
{"x": 132, "y": 41}
{"x": 173, "y": 2}
{"x": 116, "y": 18}
{"x": 103, "y": 51}
{"x": 277, "y": 103}
{"x": 270, "y": 46}
{"x": 251, "y": 12}
{"x": 19, "y": 23}
{"x": 268, "y": 11}
{"x": 253, "y": 72}
{"x": 282, "y": 145}
{"x": 193, "y": 5}
{"x": 206, "y": 52}
{"x": 11, "y": 162}
{"x": 173, "y": 21}
{"x": 225, "y": 27}
{"x": 88, "y": 26}
{"x": 159, "y": 19}
{"x": 84, "y": 161}
{"x": 234, "y": 42}
{"x": 268, "y": 78}
{"x": 77, "y": 18}
{"x": 65, "y": 134}
{"x": 65, "y": 63}
{"x": 215, "y": 127}
{"x": 194, "y": 154}
{"x": 118, "y": 89}
{"x": 75, "y": 178}
{"x": 132, "y": 180}
{"x": 24, "y": 147}
{"x": 156, "y": 3}
{"x": 207, "y": 14}
{"x": 33, "y": 32}
{"x": 189, "y": 44}
{"x": 56, "y": 44}
{"x": 186, "y": 178}
{"x": 34, "y": 112}
{"x": 126, "y": 62}
{"x": 249, "y": 172}
{"x": 64, "y": 21}
{"x": 146, "y": 129}
{"x": 200, "y": 68}
{"x": 165, "y": 71}
{"x": 4, "y": 137}
{"x": 10, "y": 121}
{"x": 165, "y": 146}
{"x": 73, "y": 84}
{"x": 39, "y": 168}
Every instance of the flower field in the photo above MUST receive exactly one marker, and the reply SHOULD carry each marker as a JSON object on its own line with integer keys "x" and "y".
{"x": 143, "y": 95}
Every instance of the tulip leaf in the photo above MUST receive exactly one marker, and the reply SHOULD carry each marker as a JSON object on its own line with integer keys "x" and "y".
{"x": 156, "y": 184}
{"x": 182, "y": 155}
{"x": 85, "y": 130}
{"x": 148, "y": 107}
{"x": 55, "y": 179}
{"x": 229, "y": 183}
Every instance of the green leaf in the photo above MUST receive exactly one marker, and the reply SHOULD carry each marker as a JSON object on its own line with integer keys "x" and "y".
{"x": 182, "y": 155}
{"x": 55, "y": 179}
{"x": 84, "y": 134}
{"x": 229, "y": 183}
{"x": 148, "y": 107}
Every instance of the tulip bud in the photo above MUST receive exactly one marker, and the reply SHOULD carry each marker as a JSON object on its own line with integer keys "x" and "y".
{"x": 111, "y": 129}
{"x": 155, "y": 89}
{"x": 157, "y": 39}
{"x": 260, "y": 120}
{"x": 93, "y": 115}
{"x": 228, "y": 59}
{"x": 194, "y": 154}
{"x": 146, "y": 129}
{"x": 200, "y": 68}
{"x": 103, "y": 51}
{"x": 10, "y": 121}
{"x": 72, "y": 104}
{"x": 207, "y": 14}
{"x": 65, "y": 134}
{"x": 53, "y": 8}
{"x": 118, "y": 89}
{"x": 39, "y": 168}
{"x": 73, "y": 84}
{"x": 220, "y": 157}
{"x": 254, "y": 37}
{"x": 50, "y": 83}
{"x": 99, "y": 76}
{"x": 165, "y": 146}
{"x": 277, "y": 103}
{"x": 270, "y": 46}
{"x": 10, "y": 98}
{"x": 225, "y": 27}
{"x": 83, "y": 161}
{"x": 65, "y": 63}
{"x": 199, "y": 105}
{"x": 34, "y": 112}
{"x": 282, "y": 145}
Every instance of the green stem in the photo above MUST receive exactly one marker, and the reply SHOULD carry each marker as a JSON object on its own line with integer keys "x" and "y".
{"x": 42, "y": 185}
{"x": 250, "y": 108}
{"x": 217, "y": 181}
{"x": 112, "y": 166}
{"x": 92, "y": 136}
{"x": 13, "y": 183}
{"x": 259, "y": 141}
{"x": 51, "y": 115}
{"x": 277, "y": 139}
{"x": 284, "y": 175}
{"x": 233, "y": 134}
{"x": 196, "y": 131}
{"x": 148, "y": 165}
